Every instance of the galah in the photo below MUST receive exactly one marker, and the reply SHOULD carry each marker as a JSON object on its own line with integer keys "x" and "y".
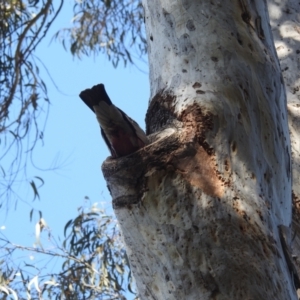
{"x": 121, "y": 134}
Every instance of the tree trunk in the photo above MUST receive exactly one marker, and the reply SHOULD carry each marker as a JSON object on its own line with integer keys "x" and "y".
{"x": 284, "y": 20}
{"x": 200, "y": 207}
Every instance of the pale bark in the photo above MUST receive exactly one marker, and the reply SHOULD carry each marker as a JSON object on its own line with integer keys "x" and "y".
{"x": 285, "y": 23}
{"x": 200, "y": 207}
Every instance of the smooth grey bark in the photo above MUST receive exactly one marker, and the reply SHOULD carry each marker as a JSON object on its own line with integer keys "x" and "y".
{"x": 285, "y": 23}
{"x": 200, "y": 207}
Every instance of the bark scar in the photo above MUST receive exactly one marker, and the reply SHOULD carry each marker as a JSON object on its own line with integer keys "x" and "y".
{"x": 200, "y": 171}
{"x": 199, "y": 168}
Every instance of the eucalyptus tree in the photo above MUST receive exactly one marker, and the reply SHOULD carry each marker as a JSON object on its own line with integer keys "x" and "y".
{"x": 206, "y": 208}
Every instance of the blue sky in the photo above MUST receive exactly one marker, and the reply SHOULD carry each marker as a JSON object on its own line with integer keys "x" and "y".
{"x": 72, "y": 135}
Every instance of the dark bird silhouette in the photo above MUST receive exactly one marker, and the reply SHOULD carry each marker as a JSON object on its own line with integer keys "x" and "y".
{"x": 121, "y": 134}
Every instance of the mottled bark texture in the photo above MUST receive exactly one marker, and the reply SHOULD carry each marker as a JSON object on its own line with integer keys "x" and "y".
{"x": 285, "y": 23}
{"x": 200, "y": 207}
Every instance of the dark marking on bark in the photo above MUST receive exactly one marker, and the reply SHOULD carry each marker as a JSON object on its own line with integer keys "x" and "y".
{"x": 259, "y": 29}
{"x": 200, "y": 92}
{"x": 125, "y": 201}
{"x": 260, "y": 215}
{"x": 285, "y": 69}
{"x": 169, "y": 18}
{"x": 196, "y": 85}
{"x": 181, "y": 45}
{"x": 185, "y": 44}
{"x": 196, "y": 228}
{"x": 215, "y": 59}
{"x": 246, "y": 16}
{"x": 151, "y": 37}
{"x": 184, "y": 71}
{"x": 160, "y": 112}
{"x": 245, "y": 216}
{"x": 296, "y": 210}
{"x": 233, "y": 146}
{"x": 226, "y": 165}
{"x": 190, "y": 25}
{"x": 238, "y": 37}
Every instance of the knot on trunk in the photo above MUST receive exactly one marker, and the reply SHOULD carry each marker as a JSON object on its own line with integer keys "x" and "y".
{"x": 126, "y": 176}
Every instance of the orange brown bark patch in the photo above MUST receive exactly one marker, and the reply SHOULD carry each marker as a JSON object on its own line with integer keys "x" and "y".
{"x": 200, "y": 171}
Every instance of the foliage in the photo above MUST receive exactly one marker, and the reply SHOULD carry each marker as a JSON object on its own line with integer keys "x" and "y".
{"x": 23, "y": 94}
{"x": 94, "y": 264}
{"x": 112, "y": 27}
